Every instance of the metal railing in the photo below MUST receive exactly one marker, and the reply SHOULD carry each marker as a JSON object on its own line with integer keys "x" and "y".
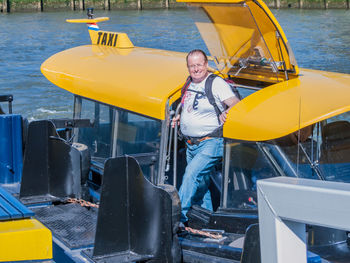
{"x": 9, "y": 99}
{"x": 286, "y": 204}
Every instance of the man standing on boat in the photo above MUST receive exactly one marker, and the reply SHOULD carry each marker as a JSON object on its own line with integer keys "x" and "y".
{"x": 201, "y": 125}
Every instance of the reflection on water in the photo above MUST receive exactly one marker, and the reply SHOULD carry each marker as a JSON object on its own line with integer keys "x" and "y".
{"x": 320, "y": 40}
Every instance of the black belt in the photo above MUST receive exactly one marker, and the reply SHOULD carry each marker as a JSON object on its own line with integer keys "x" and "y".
{"x": 196, "y": 140}
{"x": 217, "y": 133}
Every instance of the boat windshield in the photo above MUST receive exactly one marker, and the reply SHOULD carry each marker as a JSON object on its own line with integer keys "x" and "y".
{"x": 236, "y": 43}
{"x": 117, "y": 132}
{"x": 320, "y": 151}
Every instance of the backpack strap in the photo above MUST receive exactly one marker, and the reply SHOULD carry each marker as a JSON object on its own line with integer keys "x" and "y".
{"x": 209, "y": 93}
{"x": 184, "y": 88}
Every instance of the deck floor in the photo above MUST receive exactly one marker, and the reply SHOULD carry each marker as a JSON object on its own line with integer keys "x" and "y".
{"x": 72, "y": 224}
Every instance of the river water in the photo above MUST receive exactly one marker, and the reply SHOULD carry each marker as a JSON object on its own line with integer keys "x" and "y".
{"x": 319, "y": 38}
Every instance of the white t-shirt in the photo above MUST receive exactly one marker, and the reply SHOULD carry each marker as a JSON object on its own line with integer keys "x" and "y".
{"x": 198, "y": 117}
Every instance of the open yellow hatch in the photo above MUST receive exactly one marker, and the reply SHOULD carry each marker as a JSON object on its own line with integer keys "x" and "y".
{"x": 245, "y": 39}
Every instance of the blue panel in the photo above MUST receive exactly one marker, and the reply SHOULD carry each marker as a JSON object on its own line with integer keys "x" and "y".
{"x": 11, "y": 208}
{"x": 3, "y": 214}
{"x": 10, "y": 148}
{"x": 313, "y": 258}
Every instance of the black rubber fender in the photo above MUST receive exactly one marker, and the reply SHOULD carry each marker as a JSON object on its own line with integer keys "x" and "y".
{"x": 176, "y": 205}
{"x": 176, "y": 253}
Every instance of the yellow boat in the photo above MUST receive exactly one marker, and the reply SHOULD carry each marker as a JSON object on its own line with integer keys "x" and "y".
{"x": 119, "y": 152}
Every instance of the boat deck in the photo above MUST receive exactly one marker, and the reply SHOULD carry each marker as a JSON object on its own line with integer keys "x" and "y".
{"x": 73, "y": 224}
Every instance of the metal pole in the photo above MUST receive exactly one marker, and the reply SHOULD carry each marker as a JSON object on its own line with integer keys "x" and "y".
{"x": 175, "y": 146}
{"x": 10, "y": 107}
{"x": 139, "y": 4}
{"x": 301, "y": 3}
{"x": 7, "y": 6}
{"x": 72, "y": 5}
{"x": 277, "y": 4}
{"x": 81, "y": 5}
{"x": 107, "y": 5}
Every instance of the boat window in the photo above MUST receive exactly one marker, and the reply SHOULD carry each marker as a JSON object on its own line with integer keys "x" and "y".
{"x": 139, "y": 137}
{"x": 137, "y": 134}
{"x": 97, "y": 138}
{"x": 293, "y": 157}
{"x": 320, "y": 151}
{"x": 247, "y": 162}
{"x": 244, "y": 164}
{"x": 334, "y": 148}
{"x": 117, "y": 132}
{"x": 238, "y": 44}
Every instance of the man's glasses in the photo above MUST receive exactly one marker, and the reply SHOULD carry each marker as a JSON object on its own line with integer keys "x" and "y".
{"x": 196, "y": 66}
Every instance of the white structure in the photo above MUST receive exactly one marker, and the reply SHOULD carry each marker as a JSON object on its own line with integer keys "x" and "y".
{"x": 286, "y": 204}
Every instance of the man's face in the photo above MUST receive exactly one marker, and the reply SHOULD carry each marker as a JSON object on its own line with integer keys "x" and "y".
{"x": 197, "y": 67}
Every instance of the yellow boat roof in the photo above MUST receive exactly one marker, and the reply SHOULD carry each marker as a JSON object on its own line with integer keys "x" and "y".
{"x": 142, "y": 80}
{"x": 136, "y": 79}
{"x": 285, "y": 107}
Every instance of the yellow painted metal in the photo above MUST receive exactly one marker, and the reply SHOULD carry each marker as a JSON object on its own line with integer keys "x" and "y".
{"x": 235, "y": 29}
{"x": 25, "y": 239}
{"x": 105, "y": 38}
{"x": 285, "y": 107}
{"x": 113, "y": 39}
{"x": 88, "y": 21}
{"x": 138, "y": 79}
{"x": 142, "y": 79}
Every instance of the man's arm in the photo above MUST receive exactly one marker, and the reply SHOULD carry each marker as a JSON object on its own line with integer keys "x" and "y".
{"x": 230, "y": 102}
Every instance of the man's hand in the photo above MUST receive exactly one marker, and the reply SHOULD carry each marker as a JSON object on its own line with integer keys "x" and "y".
{"x": 230, "y": 102}
{"x": 223, "y": 116}
{"x": 175, "y": 121}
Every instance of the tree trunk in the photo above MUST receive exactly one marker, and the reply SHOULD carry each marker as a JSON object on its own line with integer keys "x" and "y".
{"x": 107, "y": 5}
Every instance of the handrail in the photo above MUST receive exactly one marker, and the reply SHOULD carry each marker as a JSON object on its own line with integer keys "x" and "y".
{"x": 286, "y": 204}
{"x": 7, "y": 98}
{"x": 178, "y": 108}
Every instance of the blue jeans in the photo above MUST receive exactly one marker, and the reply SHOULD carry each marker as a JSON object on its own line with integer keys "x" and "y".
{"x": 201, "y": 159}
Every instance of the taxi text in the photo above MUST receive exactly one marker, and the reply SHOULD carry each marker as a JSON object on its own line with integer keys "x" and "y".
{"x": 107, "y": 39}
